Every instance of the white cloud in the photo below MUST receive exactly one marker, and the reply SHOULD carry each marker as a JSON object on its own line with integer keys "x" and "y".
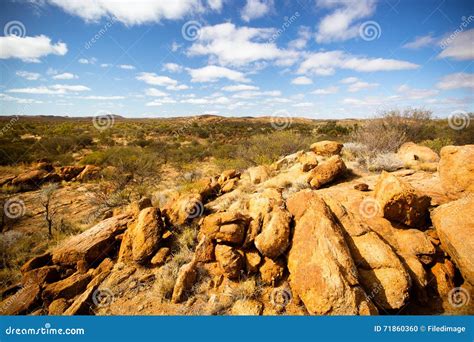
{"x": 341, "y": 24}
{"x": 126, "y": 67}
{"x": 56, "y": 89}
{"x": 5, "y": 97}
{"x": 172, "y": 67}
{"x": 325, "y": 91}
{"x": 253, "y": 94}
{"x": 153, "y": 79}
{"x": 254, "y": 9}
{"x": 240, "y": 87}
{"x": 349, "y": 80}
{"x": 208, "y": 100}
{"x": 304, "y": 35}
{"x": 455, "y": 81}
{"x": 360, "y": 85}
{"x": 420, "y": 42}
{"x": 155, "y": 92}
{"x": 415, "y": 94}
{"x": 65, "y": 76}
{"x": 325, "y": 63}
{"x": 29, "y": 49}
{"x": 303, "y": 104}
{"x": 301, "y": 80}
{"x": 105, "y": 65}
{"x": 212, "y": 73}
{"x": 30, "y": 76}
{"x": 460, "y": 47}
{"x": 92, "y": 60}
{"x": 154, "y": 103}
{"x": 103, "y": 98}
{"x": 135, "y": 12}
{"x": 238, "y": 46}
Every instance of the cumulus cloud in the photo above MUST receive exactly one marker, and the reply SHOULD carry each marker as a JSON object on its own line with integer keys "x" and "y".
{"x": 135, "y": 12}
{"x": 126, "y": 67}
{"x": 5, "y": 97}
{"x": 238, "y": 46}
{"x": 325, "y": 63}
{"x": 361, "y": 85}
{"x": 301, "y": 80}
{"x": 342, "y": 23}
{"x": 456, "y": 81}
{"x": 254, "y": 9}
{"x": 30, "y": 49}
{"x": 349, "y": 80}
{"x": 30, "y": 76}
{"x": 325, "y": 91}
{"x": 304, "y": 35}
{"x": 458, "y": 46}
{"x": 213, "y": 73}
{"x": 164, "y": 81}
{"x": 102, "y": 98}
{"x": 87, "y": 61}
{"x": 253, "y": 94}
{"x": 155, "y": 92}
{"x": 65, "y": 76}
{"x": 240, "y": 87}
{"x": 172, "y": 67}
{"x": 420, "y": 42}
{"x": 56, "y": 89}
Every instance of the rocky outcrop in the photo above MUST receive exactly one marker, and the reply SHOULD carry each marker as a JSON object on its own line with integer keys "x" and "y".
{"x": 90, "y": 172}
{"x": 93, "y": 245}
{"x": 454, "y": 223}
{"x": 326, "y": 172}
{"x": 230, "y": 261}
{"x": 22, "y": 302}
{"x": 412, "y": 155}
{"x": 326, "y": 148}
{"x": 183, "y": 209}
{"x": 400, "y": 202}
{"x": 228, "y": 227}
{"x": 145, "y": 235}
{"x": 275, "y": 233}
{"x": 186, "y": 277}
{"x": 456, "y": 170}
{"x": 322, "y": 271}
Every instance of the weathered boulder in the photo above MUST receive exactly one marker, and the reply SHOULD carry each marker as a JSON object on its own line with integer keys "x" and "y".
{"x": 230, "y": 261}
{"x": 308, "y": 161}
{"x": 145, "y": 235}
{"x": 322, "y": 271}
{"x": 204, "y": 250}
{"x": 227, "y": 175}
{"x": 454, "y": 223}
{"x": 70, "y": 172}
{"x": 326, "y": 148}
{"x": 90, "y": 172}
{"x": 58, "y": 306}
{"x": 82, "y": 304}
{"x": 37, "y": 262}
{"x": 400, "y": 202}
{"x": 272, "y": 271}
{"x": 67, "y": 288}
{"x": 186, "y": 277}
{"x": 252, "y": 261}
{"x": 39, "y": 276}
{"x": 381, "y": 272}
{"x": 30, "y": 179}
{"x": 247, "y": 307}
{"x": 22, "y": 302}
{"x": 43, "y": 165}
{"x": 275, "y": 233}
{"x": 94, "y": 244}
{"x": 183, "y": 209}
{"x": 326, "y": 172}
{"x": 258, "y": 174}
{"x": 160, "y": 257}
{"x": 444, "y": 273}
{"x": 411, "y": 154}
{"x": 230, "y": 185}
{"x": 287, "y": 161}
{"x": 456, "y": 170}
{"x": 226, "y": 226}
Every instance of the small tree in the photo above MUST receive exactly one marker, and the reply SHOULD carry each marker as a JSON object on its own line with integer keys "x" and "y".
{"x": 47, "y": 203}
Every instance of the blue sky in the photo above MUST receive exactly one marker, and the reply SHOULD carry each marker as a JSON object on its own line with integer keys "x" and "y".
{"x": 317, "y": 59}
